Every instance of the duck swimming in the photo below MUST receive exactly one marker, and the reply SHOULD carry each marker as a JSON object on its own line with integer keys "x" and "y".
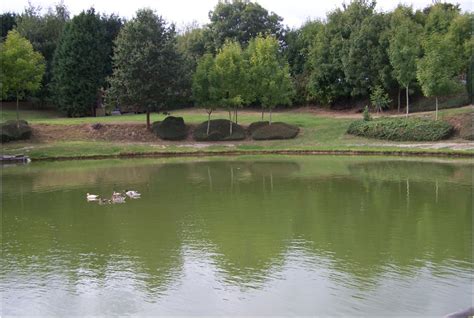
{"x": 132, "y": 193}
{"x": 92, "y": 197}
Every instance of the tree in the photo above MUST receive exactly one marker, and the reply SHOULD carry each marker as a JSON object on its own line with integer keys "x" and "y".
{"x": 379, "y": 98}
{"x": 8, "y": 20}
{"x": 242, "y": 20}
{"x": 80, "y": 64}
{"x": 44, "y": 33}
{"x": 438, "y": 68}
{"x": 404, "y": 48}
{"x": 204, "y": 86}
{"x": 271, "y": 81}
{"x": 145, "y": 63}
{"x": 22, "y": 68}
{"x": 231, "y": 78}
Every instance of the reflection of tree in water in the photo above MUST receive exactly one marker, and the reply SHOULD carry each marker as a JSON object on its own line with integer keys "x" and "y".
{"x": 250, "y": 212}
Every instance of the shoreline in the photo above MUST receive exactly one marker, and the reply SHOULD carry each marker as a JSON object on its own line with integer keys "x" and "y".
{"x": 173, "y": 154}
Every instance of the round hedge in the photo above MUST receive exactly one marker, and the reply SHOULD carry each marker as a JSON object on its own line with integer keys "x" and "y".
{"x": 218, "y": 131}
{"x": 402, "y": 129}
{"x": 171, "y": 128}
{"x": 11, "y": 132}
{"x": 276, "y": 130}
{"x": 256, "y": 125}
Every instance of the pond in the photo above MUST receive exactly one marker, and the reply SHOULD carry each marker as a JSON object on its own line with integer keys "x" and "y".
{"x": 275, "y": 235}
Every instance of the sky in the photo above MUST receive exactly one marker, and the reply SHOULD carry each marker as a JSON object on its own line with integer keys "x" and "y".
{"x": 181, "y": 12}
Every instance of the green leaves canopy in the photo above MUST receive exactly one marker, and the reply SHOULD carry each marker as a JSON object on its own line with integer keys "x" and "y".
{"x": 22, "y": 68}
{"x": 271, "y": 81}
{"x": 146, "y": 63}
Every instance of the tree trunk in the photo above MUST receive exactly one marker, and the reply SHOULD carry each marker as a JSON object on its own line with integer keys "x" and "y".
{"x": 148, "y": 119}
{"x": 230, "y": 121}
{"x": 263, "y": 110}
{"x": 208, "y": 123}
{"x": 399, "y": 97}
{"x": 17, "y": 112}
{"x": 407, "y": 101}
{"x": 436, "y": 116}
{"x": 270, "y": 116}
{"x": 235, "y": 115}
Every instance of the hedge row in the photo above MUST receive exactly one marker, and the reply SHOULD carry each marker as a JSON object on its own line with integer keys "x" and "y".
{"x": 402, "y": 129}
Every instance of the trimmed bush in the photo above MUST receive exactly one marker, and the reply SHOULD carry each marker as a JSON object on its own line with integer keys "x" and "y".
{"x": 218, "y": 131}
{"x": 402, "y": 129}
{"x": 171, "y": 128}
{"x": 276, "y": 130}
{"x": 10, "y": 131}
{"x": 256, "y": 125}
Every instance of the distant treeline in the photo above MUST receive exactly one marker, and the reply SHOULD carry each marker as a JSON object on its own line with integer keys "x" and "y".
{"x": 352, "y": 53}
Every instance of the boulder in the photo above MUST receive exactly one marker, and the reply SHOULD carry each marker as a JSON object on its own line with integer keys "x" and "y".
{"x": 218, "y": 131}
{"x": 171, "y": 128}
{"x": 276, "y": 130}
{"x": 11, "y": 132}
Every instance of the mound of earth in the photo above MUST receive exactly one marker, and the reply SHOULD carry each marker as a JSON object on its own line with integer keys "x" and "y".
{"x": 276, "y": 130}
{"x": 171, "y": 128}
{"x": 218, "y": 131}
{"x": 11, "y": 130}
{"x": 463, "y": 124}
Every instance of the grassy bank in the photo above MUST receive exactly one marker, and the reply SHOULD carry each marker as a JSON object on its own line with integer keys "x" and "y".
{"x": 319, "y": 134}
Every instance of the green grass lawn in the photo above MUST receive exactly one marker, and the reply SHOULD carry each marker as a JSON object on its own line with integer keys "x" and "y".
{"x": 318, "y": 134}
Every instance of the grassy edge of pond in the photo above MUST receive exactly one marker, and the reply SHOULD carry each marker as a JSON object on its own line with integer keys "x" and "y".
{"x": 321, "y": 134}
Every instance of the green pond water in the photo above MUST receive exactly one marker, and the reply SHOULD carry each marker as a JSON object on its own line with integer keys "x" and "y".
{"x": 321, "y": 235}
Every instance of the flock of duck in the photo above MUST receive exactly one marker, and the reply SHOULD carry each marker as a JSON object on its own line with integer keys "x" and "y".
{"x": 117, "y": 197}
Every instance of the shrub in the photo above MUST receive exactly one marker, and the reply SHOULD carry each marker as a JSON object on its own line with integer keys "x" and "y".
{"x": 10, "y": 131}
{"x": 218, "y": 131}
{"x": 276, "y": 130}
{"x": 171, "y": 128}
{"x": 402, "y": 129}
{"x": 256, "y": 125}
{"x": 366, "y": 114}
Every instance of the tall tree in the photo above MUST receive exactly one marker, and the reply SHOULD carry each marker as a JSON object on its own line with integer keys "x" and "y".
{"x": 404, "y": 48}
{"x": 204, "y": 86}
{"x": 22, "y": 68}
{"x": 271, "y": 81}
{"x": 242, "y": 20}
{"x": 146, "y": 63}
{"x": 80, "y": 63}
{"x": 438, "y": 69}
{"x": 232, "y": 85}
{"x": 44, "y": 33}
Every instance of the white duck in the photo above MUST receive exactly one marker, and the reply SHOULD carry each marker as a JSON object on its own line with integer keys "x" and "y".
{"x": 132, "y": 193}
{"x": 92, "y": 197}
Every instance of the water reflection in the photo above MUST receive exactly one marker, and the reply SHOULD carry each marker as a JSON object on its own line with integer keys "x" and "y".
{"x": 239, "y": 234}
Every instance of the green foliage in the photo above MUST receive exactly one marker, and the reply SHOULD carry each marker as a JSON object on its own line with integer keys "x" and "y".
{"x": 204, "y": 83}
{"x": 80, "y": 64}
{"x": 146, "y": 63}
{"x": 22, "y": 67}
{"x": 404, "y": 45}
{"x": 439, "y": 66}
{"x": 348, "y": 57}
{"x": 44, "y": 33}
{"x": 12, "y": 130}
{"x": 402, "y": 129}
{"x": 171, "y": 128}
{"x": 366, "y": 114}
{"x": 231, "y": 88}
{"x": 275, "y": 131}
{"x": 8, "y": 20}
{"x": 271, "y": 81}
{"x": 379, "y": 98}
{"x": 219, "y": 131}
{"x": 240, "y": 21}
